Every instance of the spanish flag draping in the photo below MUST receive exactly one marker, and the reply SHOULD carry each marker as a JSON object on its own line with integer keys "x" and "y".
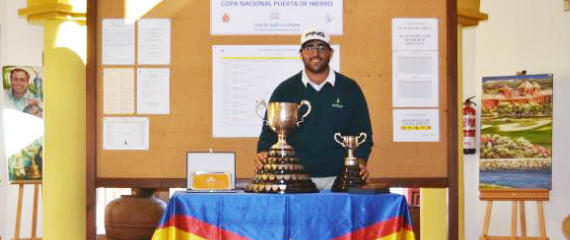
{"x": 241, "y": 216}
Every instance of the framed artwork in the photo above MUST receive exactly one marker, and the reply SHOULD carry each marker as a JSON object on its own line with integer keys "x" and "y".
{"x": 516, "y": 132}
{"x": 23, "y": 122}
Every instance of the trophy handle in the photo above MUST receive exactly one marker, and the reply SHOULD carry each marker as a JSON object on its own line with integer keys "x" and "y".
{"x": 363, "y": 136}
{"x": 308, "y": 104}
{"x": 336, "y": 140}
{"x": 258, "y": 104}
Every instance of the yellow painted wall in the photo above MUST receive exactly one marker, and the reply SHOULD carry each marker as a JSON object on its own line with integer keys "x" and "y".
{"x": 433, "y": 213}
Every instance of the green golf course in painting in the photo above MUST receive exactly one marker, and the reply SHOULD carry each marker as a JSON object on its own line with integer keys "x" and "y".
{"x": 515, "y": 144}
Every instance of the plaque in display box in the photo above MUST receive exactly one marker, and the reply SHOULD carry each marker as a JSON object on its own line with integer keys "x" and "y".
{"x": 210, "y": 171}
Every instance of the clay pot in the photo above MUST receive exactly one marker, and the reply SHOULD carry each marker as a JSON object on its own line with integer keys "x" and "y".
{"x": 133, "y": 217}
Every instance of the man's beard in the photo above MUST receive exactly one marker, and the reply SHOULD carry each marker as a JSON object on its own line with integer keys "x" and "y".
{"x": 321, "y": 68}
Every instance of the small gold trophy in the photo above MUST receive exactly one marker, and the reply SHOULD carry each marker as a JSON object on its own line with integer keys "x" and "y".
{"x": 282, "y": 172}
{"x": 33, "y": 172}
{"x": 349, "y": 177}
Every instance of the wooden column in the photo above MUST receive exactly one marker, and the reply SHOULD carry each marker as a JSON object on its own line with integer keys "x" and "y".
{"x": 468, "y": 13}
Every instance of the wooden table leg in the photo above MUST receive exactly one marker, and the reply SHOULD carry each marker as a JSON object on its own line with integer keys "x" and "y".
{"x": 514, "y": 221}
{"x": 523, "y": 219}
{"x": 487, "y": 221}
{"x": 19, "y": 211}
{"x": 35, "y": 211}
{"x": 541, "y": 220}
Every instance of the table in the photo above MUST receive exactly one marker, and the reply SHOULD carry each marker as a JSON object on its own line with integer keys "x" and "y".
{"x": 313, "y": 216}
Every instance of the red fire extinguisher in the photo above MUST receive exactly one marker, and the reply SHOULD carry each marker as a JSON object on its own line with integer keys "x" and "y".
{"x": 469, "y": 126}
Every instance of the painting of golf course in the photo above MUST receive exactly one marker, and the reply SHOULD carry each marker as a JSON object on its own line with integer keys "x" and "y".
{"x": 516, "y": 132}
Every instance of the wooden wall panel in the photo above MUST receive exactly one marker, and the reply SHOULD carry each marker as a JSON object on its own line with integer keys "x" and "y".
{"x": 365, "y": 56}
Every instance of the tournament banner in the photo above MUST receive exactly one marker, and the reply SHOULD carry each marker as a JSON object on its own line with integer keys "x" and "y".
{"x": 275, "y": 17}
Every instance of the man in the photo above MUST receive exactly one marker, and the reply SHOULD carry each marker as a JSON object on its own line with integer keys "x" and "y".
{"x": 338, "y": 105}
{"x": 17, "y": 96}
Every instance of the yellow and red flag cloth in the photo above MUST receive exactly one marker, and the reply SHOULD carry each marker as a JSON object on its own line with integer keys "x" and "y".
{"x": 320, "y": 216}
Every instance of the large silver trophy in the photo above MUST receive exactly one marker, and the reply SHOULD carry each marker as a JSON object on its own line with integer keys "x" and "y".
{"x": 282, "y": 172}
{"x": 349, "y": 177}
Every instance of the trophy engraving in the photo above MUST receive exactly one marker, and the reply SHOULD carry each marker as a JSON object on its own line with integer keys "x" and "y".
{"x": 350, "y": 175}
{"x": 282, "y": 172}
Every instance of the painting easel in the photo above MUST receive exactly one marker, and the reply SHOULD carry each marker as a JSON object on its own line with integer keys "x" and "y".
{"x": 518, "y": 197}
{"x": 19, "y": 209}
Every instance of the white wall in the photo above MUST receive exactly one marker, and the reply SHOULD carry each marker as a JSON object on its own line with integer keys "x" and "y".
{"x": 20, "y": 44}
{"x": 521, "y": 35}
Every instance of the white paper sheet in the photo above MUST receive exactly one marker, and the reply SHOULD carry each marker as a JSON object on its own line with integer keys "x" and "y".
{"x": 125, "y": 133}
{"x": 244, "y": 74}
{"x": 153, "y": 91}
{"x": 415, "y": 79}
{"x": 415, "y": 62}
{"x": 414, "y": 34}
{"x": 275, "y": 17}
{"x": 118, "y": 42}
{"x": 416, "y": 125}
{"x": 154, "y": 41}
{"x": 118, "y": 90}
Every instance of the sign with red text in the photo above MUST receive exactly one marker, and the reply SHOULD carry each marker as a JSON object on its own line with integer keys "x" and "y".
{"x": 291, "y": 17}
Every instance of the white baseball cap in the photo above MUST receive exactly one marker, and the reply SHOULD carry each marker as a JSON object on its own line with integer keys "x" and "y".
{"x": 314, "y": 34}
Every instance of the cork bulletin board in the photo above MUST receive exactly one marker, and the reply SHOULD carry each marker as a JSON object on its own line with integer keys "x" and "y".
{"x": 366, "y": 57}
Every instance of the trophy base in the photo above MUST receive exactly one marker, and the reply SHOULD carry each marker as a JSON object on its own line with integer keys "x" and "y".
{"x": 370, "y": 189}
{"x": 282, "y": 173}
{"x": 305, "y": 186}
{"x": 348, "y": 178}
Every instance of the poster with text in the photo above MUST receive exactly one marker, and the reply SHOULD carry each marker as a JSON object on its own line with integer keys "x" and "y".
{"x": 243, "y": 75}
{"x": 415, "y": 125}
{"x": 23, "y": 122}
{"x": 516, "y": 132}
{"x": 229, "y": 17}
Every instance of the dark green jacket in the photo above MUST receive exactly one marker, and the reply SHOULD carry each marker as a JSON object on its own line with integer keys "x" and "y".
{"x": 341, "y": 108}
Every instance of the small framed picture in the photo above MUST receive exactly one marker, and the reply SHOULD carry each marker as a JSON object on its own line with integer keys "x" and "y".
{"x": 566, "y": 5}
{"x": 210, "y": 170}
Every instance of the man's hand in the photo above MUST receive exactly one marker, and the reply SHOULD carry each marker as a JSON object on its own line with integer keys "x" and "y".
{"x": 363, "y": 170}
{"x": 32, "y": 101}
{"x": 260, "y": 158}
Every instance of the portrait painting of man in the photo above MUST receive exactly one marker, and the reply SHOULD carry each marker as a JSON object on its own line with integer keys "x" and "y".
{"x": 22, "y": 106}
{"x": 22, "y": 89}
